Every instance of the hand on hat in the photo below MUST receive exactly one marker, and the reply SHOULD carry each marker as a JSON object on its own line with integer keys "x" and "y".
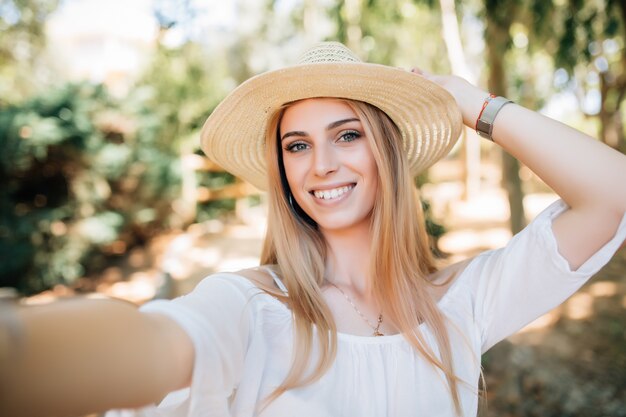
{"x": 468, "y": 97}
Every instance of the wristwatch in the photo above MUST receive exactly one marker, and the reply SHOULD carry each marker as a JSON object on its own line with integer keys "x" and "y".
{"x": 484, "y": 124}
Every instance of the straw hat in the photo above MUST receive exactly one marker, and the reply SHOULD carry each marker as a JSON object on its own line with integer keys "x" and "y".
{"x": 426, "y": 114}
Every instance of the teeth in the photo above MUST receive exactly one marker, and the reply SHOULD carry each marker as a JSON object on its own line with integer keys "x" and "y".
{"x": 334, "y": 193}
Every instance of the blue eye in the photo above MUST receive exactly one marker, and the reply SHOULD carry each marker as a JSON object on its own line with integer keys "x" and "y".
{"x": 296, "y": 147}
{"x": 350, "y": 135}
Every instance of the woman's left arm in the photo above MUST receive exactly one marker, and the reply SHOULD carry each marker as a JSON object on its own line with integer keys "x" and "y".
{"x": 588, "y": 175}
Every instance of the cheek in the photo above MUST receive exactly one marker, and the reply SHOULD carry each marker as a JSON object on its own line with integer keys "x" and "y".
{"x": 373, "y": 167}
{"x": 368, "y": 164}
{"x": 293, "y": 172}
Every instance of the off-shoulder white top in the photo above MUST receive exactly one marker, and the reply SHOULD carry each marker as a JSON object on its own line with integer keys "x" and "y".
{"x": 243, "y": 338}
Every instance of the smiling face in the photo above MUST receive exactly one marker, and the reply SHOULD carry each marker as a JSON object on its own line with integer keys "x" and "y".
{"x": 328, "y": 163}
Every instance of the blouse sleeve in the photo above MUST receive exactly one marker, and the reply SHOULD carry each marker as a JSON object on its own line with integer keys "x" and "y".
{"x": 217, "y": 317}
{"x": 516, "y": 284}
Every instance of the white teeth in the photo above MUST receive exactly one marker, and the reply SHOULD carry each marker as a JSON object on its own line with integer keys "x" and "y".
{"x": 334, "y": 193}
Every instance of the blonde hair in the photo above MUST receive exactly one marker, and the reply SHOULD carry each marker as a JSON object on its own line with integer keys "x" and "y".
{"x": 400, "y": 263}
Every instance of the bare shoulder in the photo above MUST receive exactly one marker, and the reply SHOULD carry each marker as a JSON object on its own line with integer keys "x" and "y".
{"x": 443, "y": 279}
{"x": 259, "y": 277}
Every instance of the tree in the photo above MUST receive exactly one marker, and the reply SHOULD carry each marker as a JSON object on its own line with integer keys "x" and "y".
{"x": 401, "y": 33}
{"x": 458, "y": 63}
{"x": 591, "y": 49}
{"x": 499, "y": 17}
{"x": 22, "y": 24}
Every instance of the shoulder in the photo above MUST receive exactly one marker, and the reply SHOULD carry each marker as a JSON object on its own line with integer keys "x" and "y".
{"x": 258, "y": 277}
{"x": 442, "y": 280}
{"x": 235, "y": 288}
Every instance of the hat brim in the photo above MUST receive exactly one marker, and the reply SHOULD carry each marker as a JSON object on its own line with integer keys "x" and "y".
{"x": 426, "y": 114}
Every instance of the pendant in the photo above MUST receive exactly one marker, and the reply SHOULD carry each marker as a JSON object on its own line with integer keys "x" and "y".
{"x": 377, "y": 333}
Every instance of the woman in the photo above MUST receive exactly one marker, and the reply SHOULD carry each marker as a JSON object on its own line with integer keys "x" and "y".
{"x": 347, "y": 315}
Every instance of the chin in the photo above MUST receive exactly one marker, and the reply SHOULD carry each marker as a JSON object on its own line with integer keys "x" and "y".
{"x": 342, "y": 224}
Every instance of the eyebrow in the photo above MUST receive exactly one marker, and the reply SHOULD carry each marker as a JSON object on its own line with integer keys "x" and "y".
{"x": 329, "y": 127}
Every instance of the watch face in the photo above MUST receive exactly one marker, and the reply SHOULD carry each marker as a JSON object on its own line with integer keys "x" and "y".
{"x": 482, "y": 127}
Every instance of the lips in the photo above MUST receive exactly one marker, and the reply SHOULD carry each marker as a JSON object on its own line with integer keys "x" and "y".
{"x": 332, "y": 193}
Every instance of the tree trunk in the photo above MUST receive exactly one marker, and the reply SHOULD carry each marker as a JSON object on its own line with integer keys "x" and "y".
{"x": 471, "y": 141}
{"x": 497, "y": 39}
{"x": 612, "y": 93}
{"x": 352, "y": 15}
{"x": 310, "y": 21}
{"x": 621, "y": 85}
{"x": 611, "y": 125}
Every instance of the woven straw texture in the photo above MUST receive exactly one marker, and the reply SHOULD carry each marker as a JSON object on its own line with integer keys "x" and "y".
{"x": 427, "y": 115}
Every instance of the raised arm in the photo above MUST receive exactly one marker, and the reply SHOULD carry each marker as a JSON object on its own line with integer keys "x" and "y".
{"x": 588, "y": 175}
{"x": 82, "y": 356}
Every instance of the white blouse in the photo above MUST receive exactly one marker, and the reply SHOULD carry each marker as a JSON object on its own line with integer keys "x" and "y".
{"x": 243, "y": 338}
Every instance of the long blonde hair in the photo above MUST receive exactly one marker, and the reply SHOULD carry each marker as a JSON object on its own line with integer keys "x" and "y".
{"x": 400, "y": 263}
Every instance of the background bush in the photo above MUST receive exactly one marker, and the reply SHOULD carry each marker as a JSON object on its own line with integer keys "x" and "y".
{"x": 82, "y": 178}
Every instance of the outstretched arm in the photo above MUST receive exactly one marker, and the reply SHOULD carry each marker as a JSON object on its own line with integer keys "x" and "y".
{"x": 80, "y": 356}
{"x": 588, "y": 175}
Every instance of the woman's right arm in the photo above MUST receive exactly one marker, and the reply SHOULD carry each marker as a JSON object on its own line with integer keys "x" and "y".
{"x": 82, "y": 356}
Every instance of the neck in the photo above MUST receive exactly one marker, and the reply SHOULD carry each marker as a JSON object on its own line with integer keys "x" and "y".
{"x": 347, "y": 263}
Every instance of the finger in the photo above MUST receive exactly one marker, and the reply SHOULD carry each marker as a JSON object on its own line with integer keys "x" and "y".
{"x": 420, "y": 71}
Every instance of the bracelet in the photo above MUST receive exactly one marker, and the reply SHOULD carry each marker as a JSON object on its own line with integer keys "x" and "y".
{"x": 491, "y": 107}
{"x": 487, "y": 100}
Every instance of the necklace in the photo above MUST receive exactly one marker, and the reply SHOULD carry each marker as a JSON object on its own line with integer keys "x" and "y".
{"x": 380, "y": 316}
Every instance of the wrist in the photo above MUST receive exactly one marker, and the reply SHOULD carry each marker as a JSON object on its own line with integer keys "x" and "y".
{"x": 487, "y": 116}
{"x": 470, "y": 102}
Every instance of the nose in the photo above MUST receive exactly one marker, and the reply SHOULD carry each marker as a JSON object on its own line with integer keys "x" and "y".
{"x": 325, "y": 161}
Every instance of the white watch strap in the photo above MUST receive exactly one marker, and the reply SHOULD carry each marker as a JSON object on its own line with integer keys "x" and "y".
{"x": 484, "y": 126}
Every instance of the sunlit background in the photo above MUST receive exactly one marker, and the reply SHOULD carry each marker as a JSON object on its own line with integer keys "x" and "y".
{"x": 104, "y": 189}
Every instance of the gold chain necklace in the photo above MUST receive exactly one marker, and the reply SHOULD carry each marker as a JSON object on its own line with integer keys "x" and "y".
{"x": 380, "y": 316}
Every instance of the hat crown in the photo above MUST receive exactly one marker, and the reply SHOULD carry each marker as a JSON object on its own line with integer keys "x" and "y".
{"x": 327, "y": 52}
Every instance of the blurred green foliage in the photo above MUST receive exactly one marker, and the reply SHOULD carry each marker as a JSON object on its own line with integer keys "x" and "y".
{"x": 570, "y": 45}
{"x": 86, "y": 175}
{"x": 82, "y": 178}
